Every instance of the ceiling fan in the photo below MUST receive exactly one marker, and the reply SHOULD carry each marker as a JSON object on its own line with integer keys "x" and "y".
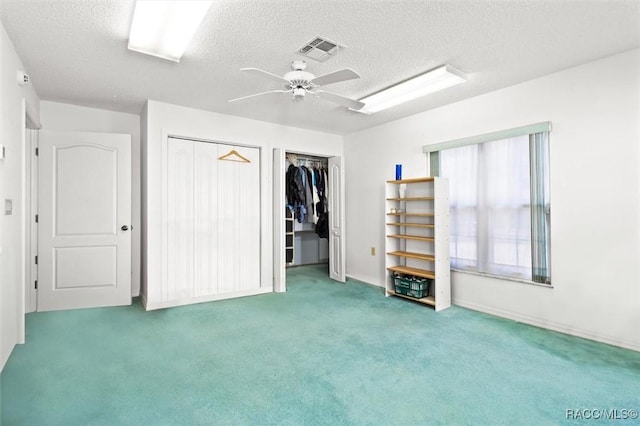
{"x": 300, "y": 82}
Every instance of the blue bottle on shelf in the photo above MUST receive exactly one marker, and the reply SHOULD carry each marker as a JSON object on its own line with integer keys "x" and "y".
{"x": 398, "y": 171}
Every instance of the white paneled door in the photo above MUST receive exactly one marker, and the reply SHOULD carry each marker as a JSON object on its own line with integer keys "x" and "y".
{"x": 336, "y": 220}
{"x": 84, "y": 233}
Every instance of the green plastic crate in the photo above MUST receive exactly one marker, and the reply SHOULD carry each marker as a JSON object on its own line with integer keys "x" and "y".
{"x": 412, "y": 286}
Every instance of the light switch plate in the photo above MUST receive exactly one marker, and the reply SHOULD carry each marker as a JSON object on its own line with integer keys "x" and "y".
{"x": 2, "y": 152}
{"x": 8, "y": 207}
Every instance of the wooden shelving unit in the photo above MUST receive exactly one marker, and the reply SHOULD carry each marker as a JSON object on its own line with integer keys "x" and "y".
{"x": 417, "y": 242}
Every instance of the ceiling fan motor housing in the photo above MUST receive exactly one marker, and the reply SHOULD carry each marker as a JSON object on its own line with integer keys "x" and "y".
{"x": 300, "y": 79}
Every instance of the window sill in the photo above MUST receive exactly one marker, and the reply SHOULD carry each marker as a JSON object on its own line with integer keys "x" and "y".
{"x": 517, "y": 280}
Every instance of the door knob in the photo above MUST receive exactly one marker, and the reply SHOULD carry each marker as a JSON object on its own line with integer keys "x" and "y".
{"x": 125, "y": 228}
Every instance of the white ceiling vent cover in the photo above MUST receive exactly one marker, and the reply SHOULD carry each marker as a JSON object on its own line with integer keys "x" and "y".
{"x": 320, "y": 49}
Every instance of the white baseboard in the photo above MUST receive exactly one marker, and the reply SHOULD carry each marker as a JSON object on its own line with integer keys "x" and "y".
{"x": 546, "y": 324}
{"x": 363, "y": 280}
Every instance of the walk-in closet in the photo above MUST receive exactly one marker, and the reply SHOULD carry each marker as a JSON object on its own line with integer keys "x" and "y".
{"x": 308, "y": 221}
{"x": 306, "y": 210}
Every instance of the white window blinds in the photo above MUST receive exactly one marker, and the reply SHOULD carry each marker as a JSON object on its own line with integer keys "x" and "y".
{"x": 499, "y": 201}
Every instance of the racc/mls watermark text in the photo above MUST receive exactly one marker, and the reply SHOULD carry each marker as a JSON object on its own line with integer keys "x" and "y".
{"x": 601, "y": 413}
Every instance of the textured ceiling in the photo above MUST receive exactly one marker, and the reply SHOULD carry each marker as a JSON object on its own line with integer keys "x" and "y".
{"x": 76, "y": 51}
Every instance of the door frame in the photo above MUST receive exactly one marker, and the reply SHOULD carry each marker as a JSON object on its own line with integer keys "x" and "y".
{"x": 279, "y": 174}
{"x": 31, "y": 246}
{"x": 29, "y": 206}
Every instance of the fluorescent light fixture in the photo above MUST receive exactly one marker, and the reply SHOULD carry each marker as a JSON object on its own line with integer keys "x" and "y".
{"x": 165, "y": 28}
{"x": 429, "y": 82}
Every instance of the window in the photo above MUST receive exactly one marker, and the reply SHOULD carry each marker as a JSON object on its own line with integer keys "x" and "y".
{"x": 499, "y": 201}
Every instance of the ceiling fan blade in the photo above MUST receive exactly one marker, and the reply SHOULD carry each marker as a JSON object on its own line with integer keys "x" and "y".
{"x": 335, "y": 77}
{"x": 263, "y": 73}
{"x": 348, "y": 102}
{"x": 259, "y": 94}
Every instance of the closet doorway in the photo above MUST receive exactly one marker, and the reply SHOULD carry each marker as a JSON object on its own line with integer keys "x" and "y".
{"x": 295, "y": 223}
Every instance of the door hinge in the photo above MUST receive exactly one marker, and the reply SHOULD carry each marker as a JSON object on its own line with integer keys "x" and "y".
{"x": 37, "y": 151}
{"x": 36, "y": 218}
{"x": 36, "y": 284}
{"x": 36, "y": 260}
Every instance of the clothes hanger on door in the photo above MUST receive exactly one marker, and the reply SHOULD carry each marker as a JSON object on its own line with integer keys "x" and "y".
{"x": 234, "y": 155}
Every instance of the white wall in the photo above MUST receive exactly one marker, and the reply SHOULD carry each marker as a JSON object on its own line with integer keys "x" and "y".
{"x": 161, "y": 119}
{"x": 66, "y": 117}
{"x": 595, "y": 193}
{"x": 14, "y": 100}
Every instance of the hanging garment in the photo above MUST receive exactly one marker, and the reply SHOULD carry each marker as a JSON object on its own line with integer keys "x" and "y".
{"x": 315, "y": 196}
{"x": 308, "y": 193}
{"x": 296, "y": 192}
{"x": 322, "y": 227}
{"x": 326, "y": 190}
{"x": 302, "y": 207}
{"x": 295, "y": 186}
{"x": 320, "y": 187}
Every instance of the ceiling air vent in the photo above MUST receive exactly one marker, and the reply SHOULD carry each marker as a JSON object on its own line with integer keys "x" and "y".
{"x": 320, "y": 49}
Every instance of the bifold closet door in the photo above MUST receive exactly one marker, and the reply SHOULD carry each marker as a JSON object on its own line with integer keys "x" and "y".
{"x": 238, "y": 221}
{"x": 178, "y": 282}
{"x": 205, "y": 218}
{"x": 212, "y": 243}
{"x": 227, "y": 220}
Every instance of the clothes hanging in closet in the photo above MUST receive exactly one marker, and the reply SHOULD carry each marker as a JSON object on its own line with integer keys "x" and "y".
{"x": 296, "y": 192}
{"x": 306, "y": 192}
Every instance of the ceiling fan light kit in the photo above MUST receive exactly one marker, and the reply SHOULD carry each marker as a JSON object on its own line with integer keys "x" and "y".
{"x": 432, "y": 81}
{"x": 165, "y": 28}
{"x": 299, "y": 82}
{"x": 298, "y": 94}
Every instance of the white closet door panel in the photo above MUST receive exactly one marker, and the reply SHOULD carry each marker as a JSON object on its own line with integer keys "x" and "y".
{"x": 249, "y": 222}
{"x": 180, "y": 220}
{"x": 336, "y": 219}
{"x": 206, "y": 219}
{"x": 239, "y": 221}
{"x": 228, "y": 244}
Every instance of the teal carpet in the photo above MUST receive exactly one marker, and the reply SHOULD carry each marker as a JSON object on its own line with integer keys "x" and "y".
{"x": 321, "y": 354}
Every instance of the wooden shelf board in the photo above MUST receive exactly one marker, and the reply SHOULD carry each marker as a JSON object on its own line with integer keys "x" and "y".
{"x": 412, "y": 271}
{"x": 411, "y": 237}
{"x": 411, "y": 199}
{"x": 412, "y": 225}
{"x": 413, "y": 180}
{"x": 412, "y": 255}
{"x": 429, "y": 300}
{"x": 412, "y": 214}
